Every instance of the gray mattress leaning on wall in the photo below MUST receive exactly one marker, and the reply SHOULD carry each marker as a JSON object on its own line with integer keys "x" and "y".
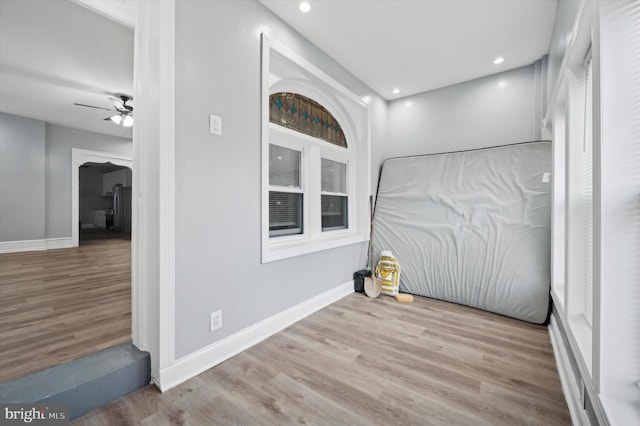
{"x": 471, "y": 227}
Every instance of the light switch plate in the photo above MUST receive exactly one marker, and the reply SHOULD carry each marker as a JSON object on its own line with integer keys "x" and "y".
{"x": 546, "y": 177}
{"x": 215, "y": 125}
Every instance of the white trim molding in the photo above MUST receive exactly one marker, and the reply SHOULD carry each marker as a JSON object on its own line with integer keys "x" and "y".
{"x": 565, "y": 349}
{"x": 153, "y": 242}
{"x": 120, "y": 11}
{"x": 35, "y": 245}
{"x": 58, "y": 243}
{"x": 78, "y": 158}
{"x": 193, "y": 364}
{"x": 167, "y": 183}
{"x": 578, "y": 40}
{"x": 18, "y": 246}
{"x": 570, "y": 387}
{"x": 353, "y": 114}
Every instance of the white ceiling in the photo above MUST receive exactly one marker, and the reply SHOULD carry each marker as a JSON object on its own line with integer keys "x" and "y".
{"x": 420, "y": 45}
{"x": 54, "y": 53}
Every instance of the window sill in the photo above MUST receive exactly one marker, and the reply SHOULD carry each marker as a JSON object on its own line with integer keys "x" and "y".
{"x": 620, "y": 412}
{"x": 274, "y": 251}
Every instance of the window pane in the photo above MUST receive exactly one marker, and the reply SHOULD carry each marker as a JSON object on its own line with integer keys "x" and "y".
{"x": 284, "y": 166}
{"x": 334, "y": 212}
{"x": 334, "y": 176}
{"x": 285, "y": 213}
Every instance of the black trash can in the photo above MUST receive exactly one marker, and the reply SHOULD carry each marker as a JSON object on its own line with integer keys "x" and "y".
{"x": 358, "y": 280}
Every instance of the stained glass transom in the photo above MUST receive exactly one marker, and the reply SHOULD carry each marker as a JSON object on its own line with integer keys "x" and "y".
{"x": 306, "y": 116}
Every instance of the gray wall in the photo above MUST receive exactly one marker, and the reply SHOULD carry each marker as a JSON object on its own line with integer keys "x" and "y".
{"x": 379, "y": 128}
{"x": 60, "y": 140}
{"x": 565, "y": 15}
{"x": 218, "y": 177}
{"x": 35, "y": 175}
{"x": 22, "y": 178}
{"x": 495, "y": 110}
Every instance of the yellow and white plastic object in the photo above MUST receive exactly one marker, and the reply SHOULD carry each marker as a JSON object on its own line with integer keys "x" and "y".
{"x": 404, "y": 298}
{"x": 388, "y": 270}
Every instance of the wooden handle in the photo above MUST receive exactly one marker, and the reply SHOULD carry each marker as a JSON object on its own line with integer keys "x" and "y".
{"x": 371, "y": 233}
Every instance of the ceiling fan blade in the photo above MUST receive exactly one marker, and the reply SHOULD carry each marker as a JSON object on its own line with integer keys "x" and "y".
{"x": 91, "y": 106}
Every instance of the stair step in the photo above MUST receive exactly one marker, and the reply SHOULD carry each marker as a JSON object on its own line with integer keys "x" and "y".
{"x": 86, "y": 383}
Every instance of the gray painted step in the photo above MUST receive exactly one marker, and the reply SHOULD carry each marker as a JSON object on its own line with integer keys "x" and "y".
{"x": 86, "y": 383}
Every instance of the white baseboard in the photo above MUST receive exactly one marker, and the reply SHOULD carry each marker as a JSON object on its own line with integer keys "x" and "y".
{"x": 193, "y": 364}
{"x": 58, "y": 243}
{"x": 27, "y": 245}
{"x": 569, "y": 386}
{"x": 35, "y": 245}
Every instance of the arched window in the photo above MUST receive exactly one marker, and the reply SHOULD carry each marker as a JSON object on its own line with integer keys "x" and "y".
{"x": 290, "y": 156}
{"x": 306, "y": 116}
{"x": 315, "y": 159}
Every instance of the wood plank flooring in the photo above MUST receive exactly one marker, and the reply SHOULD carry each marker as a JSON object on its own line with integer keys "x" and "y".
{"x": 60, "y": 305}
{"x": 363, "y": 361}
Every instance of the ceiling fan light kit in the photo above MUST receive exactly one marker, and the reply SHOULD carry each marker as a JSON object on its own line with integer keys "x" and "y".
{"x": 127, "y": 120}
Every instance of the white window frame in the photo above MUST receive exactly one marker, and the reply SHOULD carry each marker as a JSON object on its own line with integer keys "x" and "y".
{"x": 605, "y": 351}
{"x": 353, "y": 115}
{"x": 577, "y": 271}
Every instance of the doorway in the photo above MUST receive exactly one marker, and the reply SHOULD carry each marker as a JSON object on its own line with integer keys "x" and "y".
{"x": 105, "y": 196}
{"x": 110, "y": 162}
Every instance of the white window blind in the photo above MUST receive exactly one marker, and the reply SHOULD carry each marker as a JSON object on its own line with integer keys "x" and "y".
{"x": 284, "y": 167}
{"x": 285, "y": 192}
{"x": 588, "y": 194}
{"x": 334, "y": 197}
{"x": 334, "y": 176}
{"x": 285, "y": 213}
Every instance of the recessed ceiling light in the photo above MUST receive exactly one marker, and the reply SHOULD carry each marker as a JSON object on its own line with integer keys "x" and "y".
{"x": 498, "y": 60}
{"x": 396, "y": 91}
{"x": 304, "y": 6}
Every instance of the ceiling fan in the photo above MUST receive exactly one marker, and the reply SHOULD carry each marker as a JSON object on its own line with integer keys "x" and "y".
{"x": 124, "y": 116}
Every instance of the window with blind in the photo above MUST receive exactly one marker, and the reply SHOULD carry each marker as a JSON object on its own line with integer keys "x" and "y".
{"x": 599, "y": 127}
{"x": 334, "y": 197}
{"x": 588, "y": 194}
{"x": 579, "y": 219}
{"x": 285, "y": 192}
{"x": 319, "y": 205}
{"x": 315, "y": 158}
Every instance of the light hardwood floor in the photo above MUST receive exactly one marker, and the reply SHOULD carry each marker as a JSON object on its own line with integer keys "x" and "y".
{"x": 60, "y": 305}
{"x": 362, "y": 361}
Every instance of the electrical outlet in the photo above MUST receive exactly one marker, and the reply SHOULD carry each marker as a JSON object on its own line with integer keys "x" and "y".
{"x": 215, "y": 320}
